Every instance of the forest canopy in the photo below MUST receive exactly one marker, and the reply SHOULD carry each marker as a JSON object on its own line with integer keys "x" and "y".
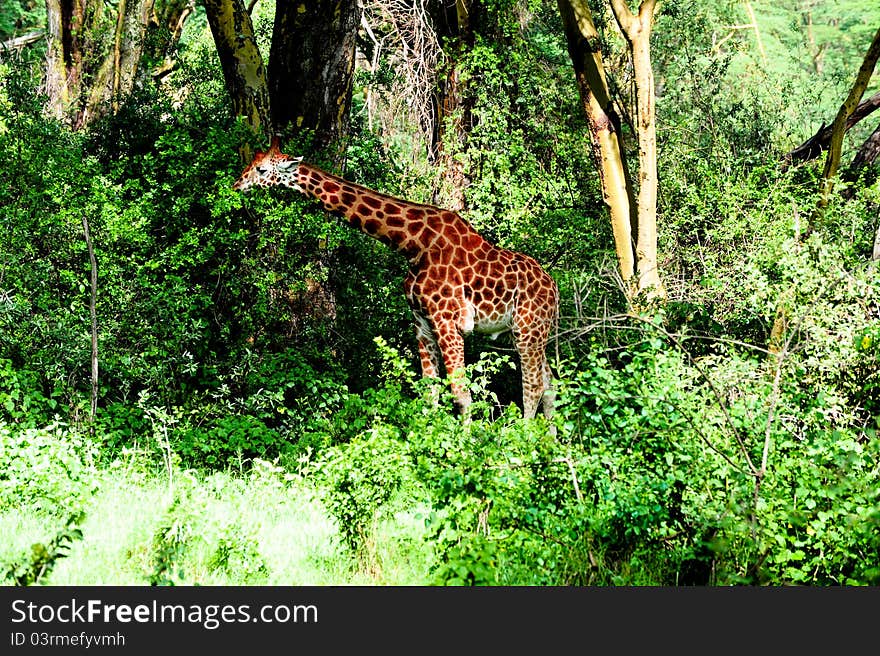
{"x": 700, "y": 179}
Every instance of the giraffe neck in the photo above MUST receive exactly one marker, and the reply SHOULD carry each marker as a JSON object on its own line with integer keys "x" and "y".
{"x": 410, "y": 228}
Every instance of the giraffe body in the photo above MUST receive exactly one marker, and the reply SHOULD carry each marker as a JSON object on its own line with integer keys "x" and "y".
{"x": 458, "y": 282}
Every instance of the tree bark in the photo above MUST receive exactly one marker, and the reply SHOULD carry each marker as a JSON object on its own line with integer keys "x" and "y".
{"x": 64, "y": 53}
{"x": 117, "y": 74}
{"x": 636, "y": 29}
{"x": 90, "y": 68}
{"x": 838, "y": 128}
{"x": 311, "y": 70}
{"x": 586, "y": 56}
{"x": 243, "y": 70}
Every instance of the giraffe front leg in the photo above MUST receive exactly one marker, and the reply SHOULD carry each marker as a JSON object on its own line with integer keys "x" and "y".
{"x": 429, "y": 351}
{"x": 451, "y": 343}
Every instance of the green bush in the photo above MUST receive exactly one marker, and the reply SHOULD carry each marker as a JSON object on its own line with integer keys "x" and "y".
{"x": 46, "y": 470}
{"x": 360, "y": 479}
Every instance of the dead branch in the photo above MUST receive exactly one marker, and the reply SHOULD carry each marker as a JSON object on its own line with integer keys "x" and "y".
{"x": 403, "y": 29}
{"x": 819, "y": 142}
{"x": 21, "y": 41}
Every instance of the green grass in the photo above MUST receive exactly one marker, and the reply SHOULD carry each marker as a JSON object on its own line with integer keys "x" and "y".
{"x": 267, "y": 527}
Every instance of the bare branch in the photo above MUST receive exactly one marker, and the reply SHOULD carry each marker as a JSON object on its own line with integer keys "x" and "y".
{"x": 403, "y": 29}
{"x": 22, "y": 41}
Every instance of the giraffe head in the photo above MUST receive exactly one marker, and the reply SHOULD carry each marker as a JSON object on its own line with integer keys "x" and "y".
{"x": 270, "y": 168}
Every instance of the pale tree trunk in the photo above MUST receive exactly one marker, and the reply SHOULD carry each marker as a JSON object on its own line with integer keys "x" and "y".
{"x": 636, "y": 29}
{"x": 838, "y": 128}
{"x": 586, "y": 56}
{"x": 242, "y": 65}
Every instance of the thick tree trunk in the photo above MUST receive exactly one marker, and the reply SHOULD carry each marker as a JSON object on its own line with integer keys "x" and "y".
{"x": 586, "y": 56}
{"x": 92, "y": 59}
{"x": 116, "y": 77}
{"x": 636, "y": 29}
{"x": 455, "y": 22}
{"x": 311, "y": 70}
{"x": 64, "y": 53}
{"x": 242, "y": 65}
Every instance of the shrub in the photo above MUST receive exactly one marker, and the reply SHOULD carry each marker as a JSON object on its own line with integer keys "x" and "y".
{"x": 360, "y": 478}
{"x": 48, "y": 470}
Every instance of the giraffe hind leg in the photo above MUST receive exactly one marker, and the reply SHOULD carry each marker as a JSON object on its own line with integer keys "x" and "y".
{"x": 535, "y": 380}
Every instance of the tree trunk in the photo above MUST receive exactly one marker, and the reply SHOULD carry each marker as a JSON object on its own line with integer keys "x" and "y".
{"x": 868, "y": 152}
{"x": 311, "y": 70}
{"x": 242, "y": 65}
{"x": 92, "y": 59}
{"x": 636, "y": 29}
{"x": 454, "y": 22}
{"x": 116, "y": 77}
{"x": 586, "y": 56}
{"x": 64, "y": 54}
{"x": 838, "y": 128}
{"x": 89, "y": 67}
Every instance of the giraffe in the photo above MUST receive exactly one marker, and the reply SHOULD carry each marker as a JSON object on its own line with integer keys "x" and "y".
{"x": 458, "y": 282}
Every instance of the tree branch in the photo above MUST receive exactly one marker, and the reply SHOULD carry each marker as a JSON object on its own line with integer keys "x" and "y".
{"x": 838, "y": 128}
{"x": 93, "y": 286}
{"x": 819, "y": 142}
{"x": 23, "y": 40}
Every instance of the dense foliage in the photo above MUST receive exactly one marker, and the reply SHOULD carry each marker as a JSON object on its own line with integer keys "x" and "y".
{"x": 257, "y": 356}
